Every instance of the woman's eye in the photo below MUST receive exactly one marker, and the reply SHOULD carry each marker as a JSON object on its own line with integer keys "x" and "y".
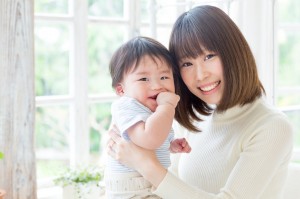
{"x": 186, "y": 64}
{"x": 209, "y": 56}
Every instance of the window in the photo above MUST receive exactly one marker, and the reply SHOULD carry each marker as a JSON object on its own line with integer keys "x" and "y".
{"x": 287, "y": 73}
{"x": 74, "y": 40}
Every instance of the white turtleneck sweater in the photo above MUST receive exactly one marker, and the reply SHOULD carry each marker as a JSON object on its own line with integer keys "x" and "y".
{"x": 242, "y": 153}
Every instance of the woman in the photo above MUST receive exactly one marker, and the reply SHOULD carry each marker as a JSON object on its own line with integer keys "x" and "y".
{"x": 244, "y": 147}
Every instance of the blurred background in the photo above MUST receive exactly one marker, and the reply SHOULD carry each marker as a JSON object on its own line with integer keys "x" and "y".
{"x": 75, "y": 39}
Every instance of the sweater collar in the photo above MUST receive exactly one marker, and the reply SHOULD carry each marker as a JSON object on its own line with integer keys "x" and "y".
{"x": 236, "y": 112}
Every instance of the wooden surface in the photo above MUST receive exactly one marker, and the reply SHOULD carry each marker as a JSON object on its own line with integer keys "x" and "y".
{"x": 17, "y": 107}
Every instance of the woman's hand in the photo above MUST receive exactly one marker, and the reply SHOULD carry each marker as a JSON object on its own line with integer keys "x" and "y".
{"x": 127, "y": 152}
{"x": 142, "y": 160}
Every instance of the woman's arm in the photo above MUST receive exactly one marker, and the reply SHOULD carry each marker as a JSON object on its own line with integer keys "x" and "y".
{"x": 141, "y": 159}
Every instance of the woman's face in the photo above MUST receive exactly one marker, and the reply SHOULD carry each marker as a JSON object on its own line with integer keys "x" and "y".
{"x": 204, "y": 76}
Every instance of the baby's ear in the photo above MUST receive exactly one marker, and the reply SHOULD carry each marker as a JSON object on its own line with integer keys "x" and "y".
{"x": 119, "y": 90}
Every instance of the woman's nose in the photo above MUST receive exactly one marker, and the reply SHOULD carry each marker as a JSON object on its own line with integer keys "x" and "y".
{"x": 201, "y": 72}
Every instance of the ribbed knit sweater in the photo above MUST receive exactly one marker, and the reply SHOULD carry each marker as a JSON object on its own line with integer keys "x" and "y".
{"x": 242, "y": 153}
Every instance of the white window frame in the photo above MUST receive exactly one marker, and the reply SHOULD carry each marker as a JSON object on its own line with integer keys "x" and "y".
{"x": 259, "y": 30}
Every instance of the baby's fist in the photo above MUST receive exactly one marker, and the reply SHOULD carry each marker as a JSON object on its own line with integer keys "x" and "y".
{"x": 167, "y": 98}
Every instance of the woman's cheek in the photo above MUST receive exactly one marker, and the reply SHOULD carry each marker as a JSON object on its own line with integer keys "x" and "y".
{"x": 186, "y": 77}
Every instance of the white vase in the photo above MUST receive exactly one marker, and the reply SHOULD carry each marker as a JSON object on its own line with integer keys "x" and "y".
{"x": 85, "y": 192}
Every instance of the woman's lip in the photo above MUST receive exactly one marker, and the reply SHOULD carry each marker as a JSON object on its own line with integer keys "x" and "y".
{"x": 209, "y": 87}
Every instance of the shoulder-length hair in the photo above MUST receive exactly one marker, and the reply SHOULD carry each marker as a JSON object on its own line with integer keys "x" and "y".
{"x": 209, "y": 28}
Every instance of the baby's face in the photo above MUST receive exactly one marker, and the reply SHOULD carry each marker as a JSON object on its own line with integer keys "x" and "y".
{"x": 151, "y": 77}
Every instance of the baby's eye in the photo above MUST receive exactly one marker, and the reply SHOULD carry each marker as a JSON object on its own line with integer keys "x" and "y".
{"x": 164, "y": 77}
{"x": 209, "y": 56}
{"x": 143, "y": 79}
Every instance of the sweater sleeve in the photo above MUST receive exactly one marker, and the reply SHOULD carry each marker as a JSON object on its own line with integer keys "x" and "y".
{"x": 173, "y": 187}
{"x": 265, "y": 155}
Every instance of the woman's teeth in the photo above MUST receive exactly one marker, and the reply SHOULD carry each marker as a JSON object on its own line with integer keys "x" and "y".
{"x": 210, "y": 87}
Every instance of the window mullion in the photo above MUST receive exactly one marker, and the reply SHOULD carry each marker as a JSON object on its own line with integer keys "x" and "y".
{"x": 134, "y": 18}
{"x": 79, "y": 128}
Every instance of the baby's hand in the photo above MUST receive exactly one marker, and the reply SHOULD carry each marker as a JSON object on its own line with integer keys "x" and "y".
{"x": 180, "y": 145}
{"x": 167, "y": 98}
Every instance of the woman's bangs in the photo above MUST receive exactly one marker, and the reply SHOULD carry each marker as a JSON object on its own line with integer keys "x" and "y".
{"x": 189, "y": 46}
{"x": 192, "y": 44}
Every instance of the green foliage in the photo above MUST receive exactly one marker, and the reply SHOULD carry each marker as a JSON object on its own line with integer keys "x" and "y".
{"x": 289, "y": 11}
{"x": 1, "y": 155}
{"x": 106, "y": 8}
{"x": 82, "y": 179}
{"x": 99, "y": 54}
{"x": 53, "y": 6}
{"x": 49, "y": 168}
{"x": 52, "y": 55}
{"x": 79, "y": 175}
{"x": 52, "y": 127}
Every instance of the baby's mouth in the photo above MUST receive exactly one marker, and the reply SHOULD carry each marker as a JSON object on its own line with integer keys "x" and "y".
{"x": 153, "y": 97}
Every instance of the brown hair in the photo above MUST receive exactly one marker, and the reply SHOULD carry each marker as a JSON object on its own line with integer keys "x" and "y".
{"x": 128, "y": 56}
{"x": 208, "y": 27}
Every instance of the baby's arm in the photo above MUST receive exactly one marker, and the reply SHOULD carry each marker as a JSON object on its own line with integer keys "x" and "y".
{"x": 152, "y": 133}
{"x": 180, "y": 145}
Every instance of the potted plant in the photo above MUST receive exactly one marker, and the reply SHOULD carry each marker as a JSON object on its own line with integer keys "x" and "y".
{"x": 2, "y": 192}
{"x": 81, "y": 182}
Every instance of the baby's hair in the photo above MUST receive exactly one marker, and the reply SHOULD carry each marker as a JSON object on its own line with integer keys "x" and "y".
{"x": 127, "y": 56}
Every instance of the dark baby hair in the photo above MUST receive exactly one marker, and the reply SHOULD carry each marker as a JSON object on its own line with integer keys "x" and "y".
{"x": 128, "y": 56}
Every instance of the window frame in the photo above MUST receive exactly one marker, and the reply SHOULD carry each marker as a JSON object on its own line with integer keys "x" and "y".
{"x": 260, "y": 35}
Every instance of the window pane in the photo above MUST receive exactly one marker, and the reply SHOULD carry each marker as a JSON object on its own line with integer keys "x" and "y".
{"x": 289, "y": 49}
{"x": 288, "y": 97}
{"x": 103, "y": 40}
{"x": 162, "y": 33}
{"x": 145, "y": 15}
{"x": 52, "y": 46}
{"x": 167, "y": 13}
{"x": 52, "y": 147}
{"x": 51, "y": 6}
{"x": 288, "y": 71}
{"x": 294, "y": 118}
{"x": 287, "y": 85}
{"x": 106, "y": 8}
{"x": 289, "y": 11}
{"x": 100, "y": 118}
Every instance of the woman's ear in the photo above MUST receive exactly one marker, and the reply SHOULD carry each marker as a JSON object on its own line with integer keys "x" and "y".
{"x": 119, "y": 90}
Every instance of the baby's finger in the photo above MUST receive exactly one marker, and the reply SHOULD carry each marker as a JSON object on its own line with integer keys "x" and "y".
{"x": 184, "y": 142}
{"x": 189, "y": 149}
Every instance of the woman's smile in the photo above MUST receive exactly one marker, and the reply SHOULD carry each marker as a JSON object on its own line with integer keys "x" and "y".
{"x": 208, "y": 88}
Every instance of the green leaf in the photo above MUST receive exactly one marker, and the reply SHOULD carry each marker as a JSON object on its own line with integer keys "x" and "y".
{"x": 80, "y": 175}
